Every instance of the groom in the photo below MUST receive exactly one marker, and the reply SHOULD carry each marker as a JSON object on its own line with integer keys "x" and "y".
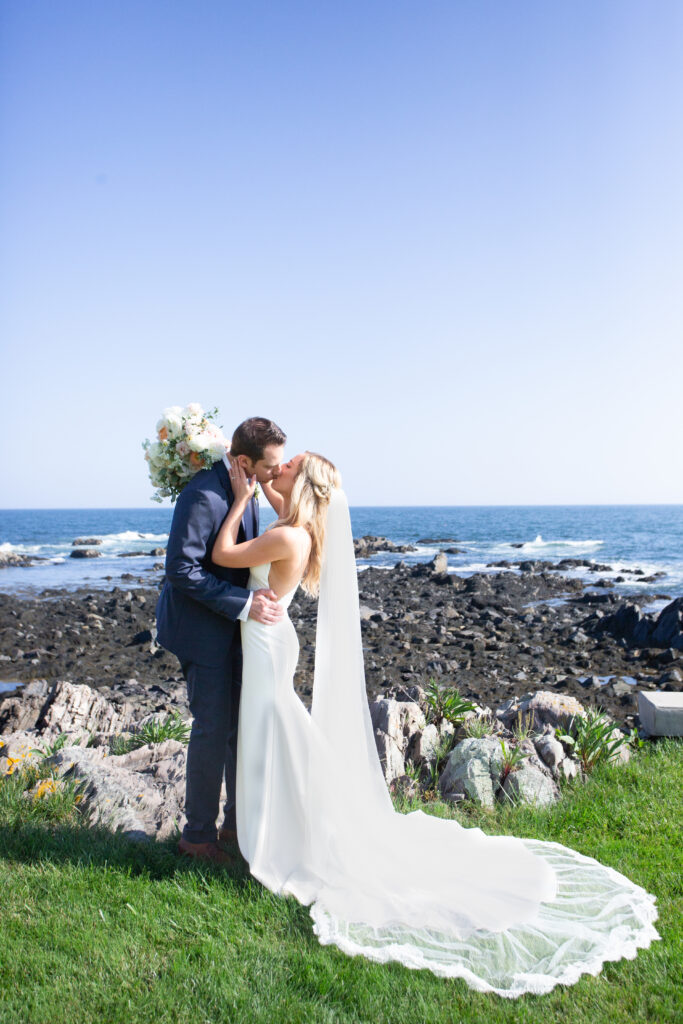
{"x": 197, "y": 620}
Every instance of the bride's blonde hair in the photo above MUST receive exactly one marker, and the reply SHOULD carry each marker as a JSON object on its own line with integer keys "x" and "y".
{"x": 313, "y": 485}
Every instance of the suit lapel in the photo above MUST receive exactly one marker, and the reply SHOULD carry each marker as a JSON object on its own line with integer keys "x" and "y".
{"x": 225, "y": 481}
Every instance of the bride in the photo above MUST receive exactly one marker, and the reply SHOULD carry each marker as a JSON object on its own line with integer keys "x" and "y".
{"x": 315, "y": 819}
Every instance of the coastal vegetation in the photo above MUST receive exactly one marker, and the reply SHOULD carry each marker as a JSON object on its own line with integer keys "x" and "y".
{"x": 97, "y": 928}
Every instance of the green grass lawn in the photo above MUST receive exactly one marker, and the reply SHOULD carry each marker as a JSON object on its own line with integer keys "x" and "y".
{"x": 98, "y": 929}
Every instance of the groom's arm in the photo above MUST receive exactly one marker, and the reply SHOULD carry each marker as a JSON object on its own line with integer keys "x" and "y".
{"x": 187, "y": 547}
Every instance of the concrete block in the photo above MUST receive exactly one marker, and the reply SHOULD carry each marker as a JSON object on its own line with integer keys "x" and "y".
{"x": 661, "y": 712}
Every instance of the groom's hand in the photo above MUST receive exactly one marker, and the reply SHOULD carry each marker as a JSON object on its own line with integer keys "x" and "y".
{"x": 265, "y": 607}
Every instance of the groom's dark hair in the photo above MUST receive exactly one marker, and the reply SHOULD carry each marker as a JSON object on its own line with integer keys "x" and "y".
{"x": 252, "y": 436}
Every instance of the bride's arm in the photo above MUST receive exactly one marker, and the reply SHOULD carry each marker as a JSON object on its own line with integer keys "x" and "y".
{"x": 269, "y": 547}
{"x": 276, "y": 501}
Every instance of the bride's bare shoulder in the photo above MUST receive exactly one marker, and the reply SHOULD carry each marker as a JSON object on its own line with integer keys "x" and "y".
{"x": 296, "y": 538}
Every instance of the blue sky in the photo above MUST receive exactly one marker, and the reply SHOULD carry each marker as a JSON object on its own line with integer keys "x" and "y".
{"x": 440, "y": 242}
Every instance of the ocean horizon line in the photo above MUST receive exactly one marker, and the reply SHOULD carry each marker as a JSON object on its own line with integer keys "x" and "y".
{"x": 159, "y": 508}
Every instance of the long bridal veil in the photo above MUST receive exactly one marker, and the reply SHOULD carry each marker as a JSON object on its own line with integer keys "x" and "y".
{"x": 508, "y": 915}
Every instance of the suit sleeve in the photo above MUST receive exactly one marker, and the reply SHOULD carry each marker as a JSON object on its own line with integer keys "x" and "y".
{"x": 187, "y": 547}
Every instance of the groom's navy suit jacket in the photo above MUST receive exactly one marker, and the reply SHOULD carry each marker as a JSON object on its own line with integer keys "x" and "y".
{"x": 199, "y": 604}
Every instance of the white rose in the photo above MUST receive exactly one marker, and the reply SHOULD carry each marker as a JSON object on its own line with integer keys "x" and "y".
{"x": 200, "y": 442}
{"x": 155, "y": 452}
{"x": 172, "y": 420}
{"x": 217, "y": 450}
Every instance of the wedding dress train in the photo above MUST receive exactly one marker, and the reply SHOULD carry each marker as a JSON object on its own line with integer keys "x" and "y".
{"x": 315, "y": 820}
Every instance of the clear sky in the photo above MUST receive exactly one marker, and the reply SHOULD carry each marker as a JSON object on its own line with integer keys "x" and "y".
{"x": 440, "y": 241}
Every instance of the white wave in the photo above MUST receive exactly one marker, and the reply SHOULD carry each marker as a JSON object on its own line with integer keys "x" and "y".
{"x": 539, "y": 543}
{"x": 22, "y": 549}
{"x": 482, "y": 567}
{"x": 108, "y": 538}
{"x": 425, "y": 550}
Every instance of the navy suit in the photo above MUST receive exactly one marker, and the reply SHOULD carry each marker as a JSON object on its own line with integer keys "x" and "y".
{"x": 197, "y": 621}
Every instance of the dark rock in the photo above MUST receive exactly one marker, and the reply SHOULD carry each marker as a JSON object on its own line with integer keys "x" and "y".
{"x": 477, "y": 634}
{"x": 86, "y": 541}
{"x": 668, "y": 657}
{"x": 366, "y": 546}
{"x": 668, "y": 629}
{"x": 628, "y": 623}
{"x": 145, "y": 636}
{"x": 85, "y": 553}
{"x": 10, "y": 559}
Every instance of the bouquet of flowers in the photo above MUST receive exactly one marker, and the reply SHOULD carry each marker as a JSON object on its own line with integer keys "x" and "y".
{"x": 188, "y": 440}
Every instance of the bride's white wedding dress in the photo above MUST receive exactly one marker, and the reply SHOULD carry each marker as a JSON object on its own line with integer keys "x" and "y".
{"x": 315, "y": 820}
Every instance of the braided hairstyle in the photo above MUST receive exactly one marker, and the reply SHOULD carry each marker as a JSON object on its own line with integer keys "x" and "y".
{"x": 313, "y": 485}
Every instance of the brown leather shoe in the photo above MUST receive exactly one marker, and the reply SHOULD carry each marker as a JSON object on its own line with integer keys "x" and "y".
{"x": 227, "y": 836}
{"x": 206, "y": 852}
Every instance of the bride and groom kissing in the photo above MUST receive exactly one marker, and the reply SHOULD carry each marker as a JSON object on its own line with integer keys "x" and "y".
{"x": 306, "y": 799}
{"x": 206, "y": 597}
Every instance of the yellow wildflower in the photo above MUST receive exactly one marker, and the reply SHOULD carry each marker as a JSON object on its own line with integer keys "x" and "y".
{"x": 45, "y": 788}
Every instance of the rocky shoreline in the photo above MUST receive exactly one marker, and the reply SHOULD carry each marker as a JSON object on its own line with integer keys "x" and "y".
{"x": 494, "y": 636}
{"x": 127, "y": 773}
{"x": 103, "y": 712}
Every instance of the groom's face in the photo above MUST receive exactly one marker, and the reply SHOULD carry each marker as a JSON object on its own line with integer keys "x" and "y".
{"x": 267, "y": 468}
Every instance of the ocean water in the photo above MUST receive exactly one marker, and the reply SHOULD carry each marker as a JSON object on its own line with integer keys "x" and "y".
{"x": 646, "y": 537}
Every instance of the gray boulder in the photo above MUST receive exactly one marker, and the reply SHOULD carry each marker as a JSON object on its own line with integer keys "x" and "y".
{"x": 62, "y": 707}
{"x": 568, "y": 768}
{"x": 21, "y": 709}
{"x": 86, "y": 541}
{"x": 549, "y": 750}
{"x": 73, "y": 707}
{"x": 395, "y": 723}
{"x": 529, "y": 785}
{"x": 424, "y": 744}
{"x": 543, "y": 708}
{"x": 473, "y": 769}
{"x": 140, "y": 794}
{"x": 439, "y": 564}
{"x": 390, "y": 756}
{"x": 18, "y": 749}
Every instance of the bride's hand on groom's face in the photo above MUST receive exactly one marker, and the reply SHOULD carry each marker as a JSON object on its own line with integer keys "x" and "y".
{"x": 243, "y": 487}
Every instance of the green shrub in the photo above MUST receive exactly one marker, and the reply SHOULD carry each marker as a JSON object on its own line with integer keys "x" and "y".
{"x": 591, "y": 738}
{"x": 446, "y": 703}
{"x": 155, "y": 731}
